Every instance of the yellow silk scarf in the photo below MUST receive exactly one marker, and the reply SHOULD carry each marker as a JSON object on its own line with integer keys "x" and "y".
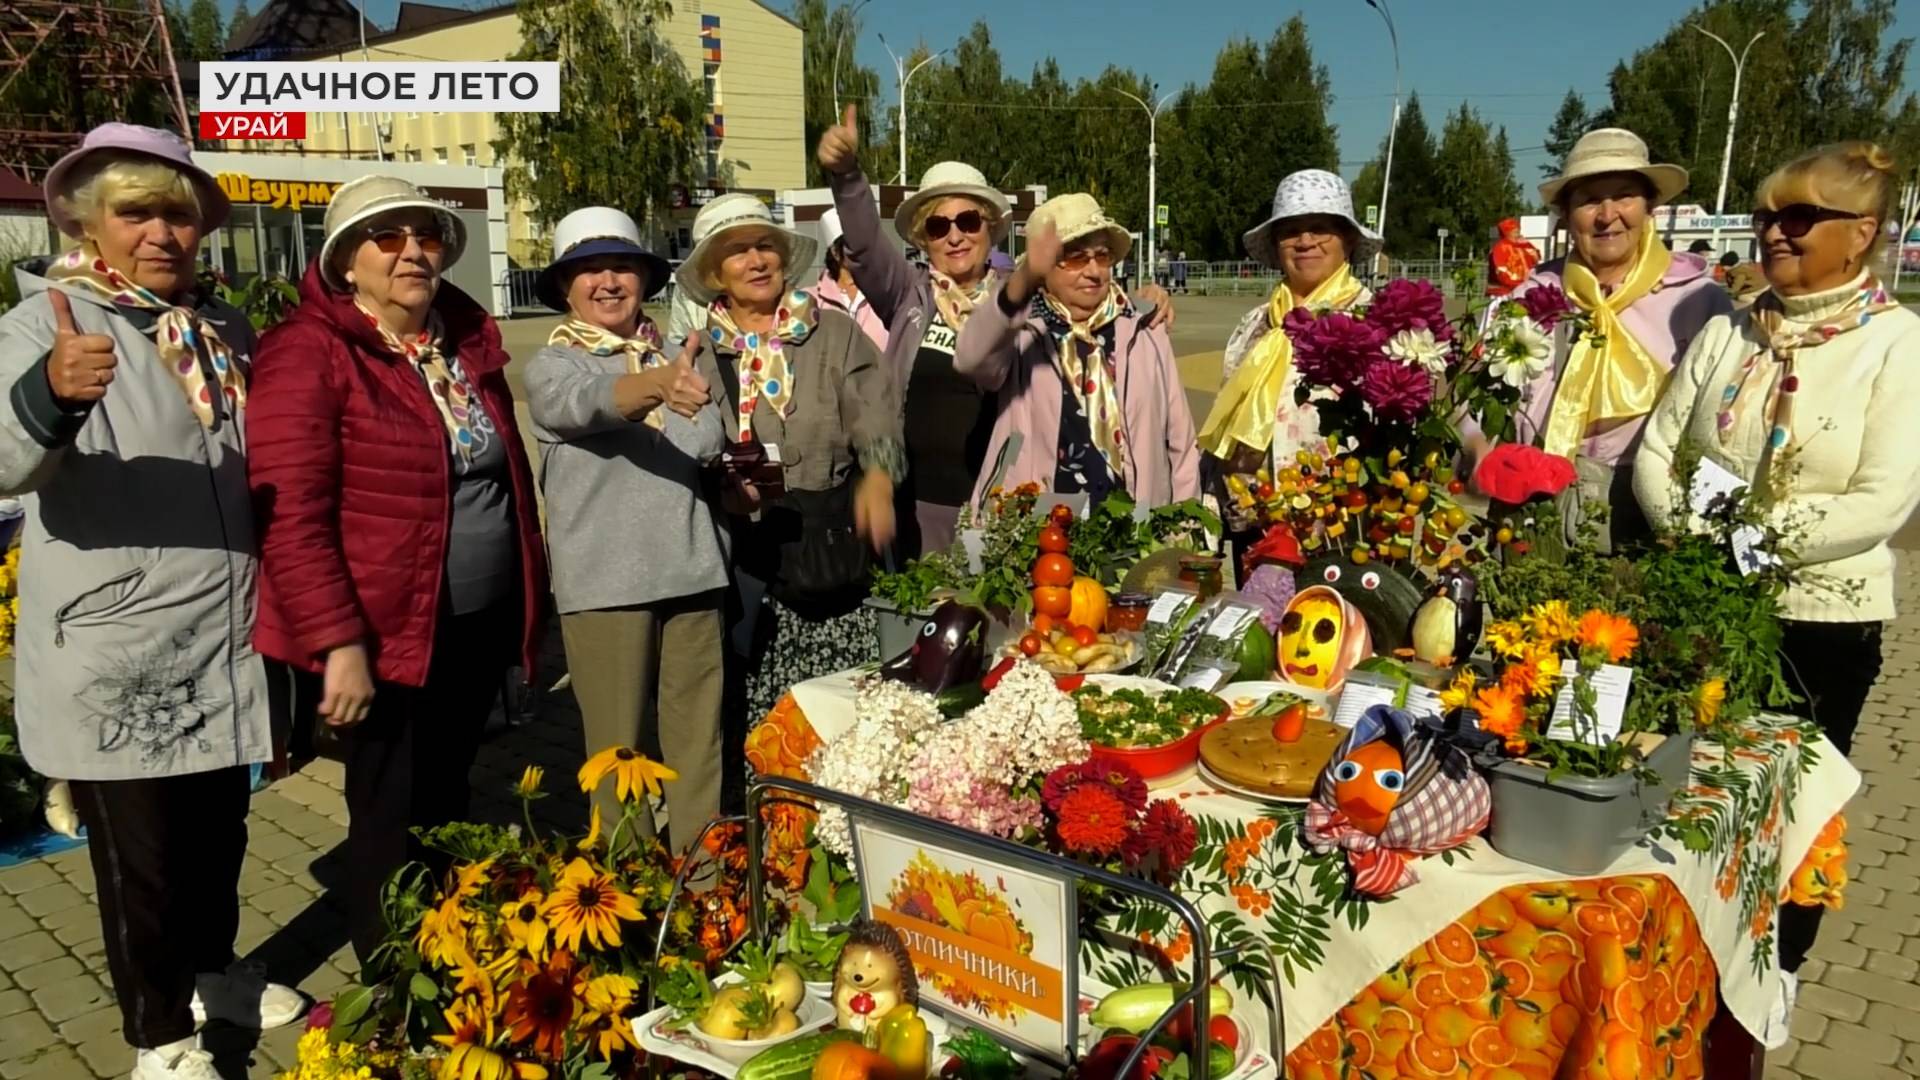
{"x": 642, "y": 350}
{"x": 1248, "y": 405}
{"x": 1609, "y": 375}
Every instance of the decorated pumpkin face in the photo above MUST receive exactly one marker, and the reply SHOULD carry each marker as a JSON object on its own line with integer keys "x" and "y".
{"x": 1367, "y": 784}
{"x": 1310, "y": 638}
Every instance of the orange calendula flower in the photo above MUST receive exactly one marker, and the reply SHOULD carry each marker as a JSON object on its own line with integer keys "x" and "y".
{"x": 1613, "y": 635}
{"x": 587, "y": 902}
{"x": 1502, "y": 710}
{"x": 1551, "y": 622}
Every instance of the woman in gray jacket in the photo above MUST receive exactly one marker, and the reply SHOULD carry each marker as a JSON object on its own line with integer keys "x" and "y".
{"x": 137, "y": 680}
{"x": 623, "y": 430}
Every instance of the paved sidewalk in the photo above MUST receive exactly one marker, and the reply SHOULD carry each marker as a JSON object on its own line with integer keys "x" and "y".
{"x": 1859, "y": 1015}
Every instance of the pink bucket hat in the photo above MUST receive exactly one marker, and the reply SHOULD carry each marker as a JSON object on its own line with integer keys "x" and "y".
{"x": 148, "y": 142}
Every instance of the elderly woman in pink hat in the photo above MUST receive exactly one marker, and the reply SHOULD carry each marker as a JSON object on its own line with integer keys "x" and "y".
{"x": 136, "y": 676}
{"x": 956, "y": 218}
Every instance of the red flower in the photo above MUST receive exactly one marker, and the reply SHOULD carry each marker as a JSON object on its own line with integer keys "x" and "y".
{"x": 1123, "y": 781}
{"x": 1514, "y": 473}
{"x": 1094, "y": 821}
{"x": 1167, "y": 830}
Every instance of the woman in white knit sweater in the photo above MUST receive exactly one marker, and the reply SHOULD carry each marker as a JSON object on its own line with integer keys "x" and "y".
{"x": 1810, "y": 394}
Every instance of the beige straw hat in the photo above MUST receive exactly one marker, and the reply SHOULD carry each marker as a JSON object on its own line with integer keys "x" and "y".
{"x": 367, "y": 197}
{"x": 1076, "y": 215}
{"x": 946, "y": 178}
{"x": 738, "y": 210}
{"x": 1614, "y": 150}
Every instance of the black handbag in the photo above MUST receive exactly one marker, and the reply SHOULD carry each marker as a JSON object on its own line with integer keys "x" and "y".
{"x": 821, "y": 559}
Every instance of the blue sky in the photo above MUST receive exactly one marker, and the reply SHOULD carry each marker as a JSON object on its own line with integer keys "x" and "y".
{"x": 1513, "y": 59}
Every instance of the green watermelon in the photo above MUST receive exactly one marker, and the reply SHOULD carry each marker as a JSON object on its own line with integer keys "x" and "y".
{"x": 1257, "y": 651}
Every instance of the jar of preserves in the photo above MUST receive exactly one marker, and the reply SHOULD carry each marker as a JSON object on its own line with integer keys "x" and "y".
{"x": 1201, "y": 573}
{"x": 1129, "y": 611}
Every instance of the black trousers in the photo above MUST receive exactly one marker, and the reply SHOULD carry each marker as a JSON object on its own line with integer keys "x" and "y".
{"x": 408, "y": 761}
{"x": 166, "y": 858}
{"x": 1832, "y": 666}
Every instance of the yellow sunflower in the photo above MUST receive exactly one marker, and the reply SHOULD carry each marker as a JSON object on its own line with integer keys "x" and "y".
{"x": 472, "y": 877}
{"x": 610, "y": 993}
{"x": 609, "y": 1033}
{"x": 470, "y": 1052}
{"x": 529, "y": 785}
{"x": 442, "y": 937}
{"x": 631, "y": 770}
{"x": 587, "y": 902}
{"x": 593, "y": 830}
{"x": 1551, "y": 622}
{"x": 1707, "y": 699}
{"x": 525, "y": 925}
{"x": 1506, "y": 638}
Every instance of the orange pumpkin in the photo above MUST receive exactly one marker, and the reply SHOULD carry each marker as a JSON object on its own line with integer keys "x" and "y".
{"x": 852, "y": 1061}
{"x": 1089, "y": 606}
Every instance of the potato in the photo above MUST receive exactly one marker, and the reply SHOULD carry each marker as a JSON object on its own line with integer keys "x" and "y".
{"x": 723, "y": 1018}
{"x": 786, "y": 989}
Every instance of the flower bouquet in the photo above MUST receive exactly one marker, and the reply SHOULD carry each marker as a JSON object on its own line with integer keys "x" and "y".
{"x": 1513, "y": 345}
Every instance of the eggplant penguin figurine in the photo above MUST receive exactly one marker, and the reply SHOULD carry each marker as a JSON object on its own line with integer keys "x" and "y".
{"x": 1446, "y": 626}
{"x": 950, "y": 649}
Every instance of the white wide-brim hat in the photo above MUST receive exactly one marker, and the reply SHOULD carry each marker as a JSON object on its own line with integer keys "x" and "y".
{"x": 360, "y": 200}
{"x": 1302, "y": 194}
{"x": 949, "y": 178}
{"x": 592, "y": 231}
{"x": 1077, "y": 215}
{"x": 1615, "y": 150}
{"x": 725, "y": 214}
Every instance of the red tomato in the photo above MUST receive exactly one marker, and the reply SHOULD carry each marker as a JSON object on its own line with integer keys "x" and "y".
{"x": 1053, "y": 569}
{"x": 1031, "y": 645}
{"x": 1053, "y": 600}
{"x": 1222, "y": 1030}
{"x": 1084, "y": 636}
{"x": 1053, "y": 539}
{"x": 1069, "y": 683}
{"x": 1042, "y": 623}
{"x": 1060, "y": 515}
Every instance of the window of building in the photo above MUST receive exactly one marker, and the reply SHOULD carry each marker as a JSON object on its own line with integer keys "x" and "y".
{"x": 413, "y": 154}
{"x": 467, "y": 153}
{"x": 439, "y": 155}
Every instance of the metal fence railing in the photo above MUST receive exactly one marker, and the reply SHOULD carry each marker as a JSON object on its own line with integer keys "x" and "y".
{"x": 516, "y": 288}
{"x": 1247, "y": 278}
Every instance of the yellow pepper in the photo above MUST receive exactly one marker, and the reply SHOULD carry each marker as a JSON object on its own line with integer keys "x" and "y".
{"x": 901, "y": 1037}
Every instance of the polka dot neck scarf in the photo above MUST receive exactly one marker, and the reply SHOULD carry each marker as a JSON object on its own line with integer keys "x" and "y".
{"x": 955, "y": 302}
{"x": 1084, "y": 358}
{"x": 1787, "y": 325}
{"x": 178, "y": 333}
{"x": 450, "y": 394}
{"x": 764, "y": 371}
{"x": 642, "y": 350}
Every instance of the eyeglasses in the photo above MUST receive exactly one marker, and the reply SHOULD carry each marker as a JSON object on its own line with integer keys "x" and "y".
{"x": 968, "y": 221}
{"x": 1078, "y": 260}
{"x": 1798, "y": 220}
{"x": 393, "y": 240}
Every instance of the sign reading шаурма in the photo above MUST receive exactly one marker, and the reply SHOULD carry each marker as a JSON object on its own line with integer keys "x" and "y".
{"x": 245, "y": 190}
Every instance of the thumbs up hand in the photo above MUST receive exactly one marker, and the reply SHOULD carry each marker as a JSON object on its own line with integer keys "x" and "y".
{"x": 839, "y": 151}
{"x": 684, "y": 389}
{"x": 81, "y": 365}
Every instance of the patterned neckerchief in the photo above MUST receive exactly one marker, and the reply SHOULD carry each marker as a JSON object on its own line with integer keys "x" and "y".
{"x": 642, "y": 350}
{"x": 1083, "y": 355}
{"x": 955, "y": 303}
{"x": 176, "y": 330}
{"x": 449, "y": 393}
{"x": 764, "y": 371}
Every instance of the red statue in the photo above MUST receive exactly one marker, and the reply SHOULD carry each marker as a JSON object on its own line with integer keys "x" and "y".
{"x": 1511, "y": 259}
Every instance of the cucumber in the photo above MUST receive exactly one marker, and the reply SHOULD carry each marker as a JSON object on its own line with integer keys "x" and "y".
{"x": 1137, "y": 1007}
{"x": 956, "y": 701}
{"x": 793, "y": 1060}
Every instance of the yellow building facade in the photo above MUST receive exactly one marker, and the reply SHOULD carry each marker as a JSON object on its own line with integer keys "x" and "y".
{"x": 748, "y": 55}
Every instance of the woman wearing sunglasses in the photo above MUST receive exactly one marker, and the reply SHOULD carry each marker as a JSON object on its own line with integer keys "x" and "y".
{"x": 1808, "y": 394}
{"x": 1089, "y": 397}
{"x": 1591, "y": 396}
{"x": 956, "y": 219}
{"x": 402, "y": 571}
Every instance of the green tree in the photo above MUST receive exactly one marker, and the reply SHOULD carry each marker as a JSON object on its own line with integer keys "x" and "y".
{"x": 206, "y": 33}
{"x": 1473, "y": 181}
{"x": 239, "y": 20}
{"x": 827, "y": 36}
{"x": 630, "y": 123}
{"x": 1414, "y": 196}
{"x": 1569, "y": 124}
{"x": 958, "y": 107}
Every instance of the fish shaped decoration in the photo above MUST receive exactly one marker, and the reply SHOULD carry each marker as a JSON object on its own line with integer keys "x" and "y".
{"x": 1393, "y": 792}
{"x": 949, "y": 650}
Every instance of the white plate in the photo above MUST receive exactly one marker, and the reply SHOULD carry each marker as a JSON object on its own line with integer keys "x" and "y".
{"x": 1210, "y": 777}
{"x": 1259, "y": 692}
{"x": 689, "y": 1047}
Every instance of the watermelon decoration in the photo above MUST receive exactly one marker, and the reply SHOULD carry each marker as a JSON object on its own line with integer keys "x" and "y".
{"x": 1385, "y": 596}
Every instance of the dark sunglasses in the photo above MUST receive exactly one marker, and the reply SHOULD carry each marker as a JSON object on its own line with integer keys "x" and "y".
{"x": 1078, "y": 260}
{"x": 1798, "y": 220}
{"x": 393, "y": 239}
{"x": 968, "y": 221}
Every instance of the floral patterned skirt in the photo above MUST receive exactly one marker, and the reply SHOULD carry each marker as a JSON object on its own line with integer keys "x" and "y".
{"x": 792, "y": 648}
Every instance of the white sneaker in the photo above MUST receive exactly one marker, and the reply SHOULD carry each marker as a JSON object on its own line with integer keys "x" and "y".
{"x": 183, "y": 1060}
{"x": 1780, "y": 1015}
{"x": 241, "y": 995}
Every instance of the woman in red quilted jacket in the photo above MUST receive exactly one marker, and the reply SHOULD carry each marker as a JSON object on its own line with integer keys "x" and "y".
{"x": 401, "y": 565}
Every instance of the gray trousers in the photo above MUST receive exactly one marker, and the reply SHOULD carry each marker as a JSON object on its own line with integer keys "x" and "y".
{"x": 656, "y": 664}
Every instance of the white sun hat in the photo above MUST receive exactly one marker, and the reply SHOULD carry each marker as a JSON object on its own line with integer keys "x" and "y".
{"x": 1308, "y": 192}
{"x": 948, "y": 178}
{"x": 738, "y": 210}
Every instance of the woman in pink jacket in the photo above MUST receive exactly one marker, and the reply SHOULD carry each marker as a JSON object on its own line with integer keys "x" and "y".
{"x": 1089, "y": 397}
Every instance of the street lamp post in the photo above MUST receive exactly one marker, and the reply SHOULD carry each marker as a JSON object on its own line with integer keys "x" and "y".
{"x": 1153, "y": 164}
{"x": 901, "y": 79}
{"x": 838, "y": 40}
{"x": 1733, "y": 117}
{"x": 1443, "y": 252}
{"x": 1386, "y": 174}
